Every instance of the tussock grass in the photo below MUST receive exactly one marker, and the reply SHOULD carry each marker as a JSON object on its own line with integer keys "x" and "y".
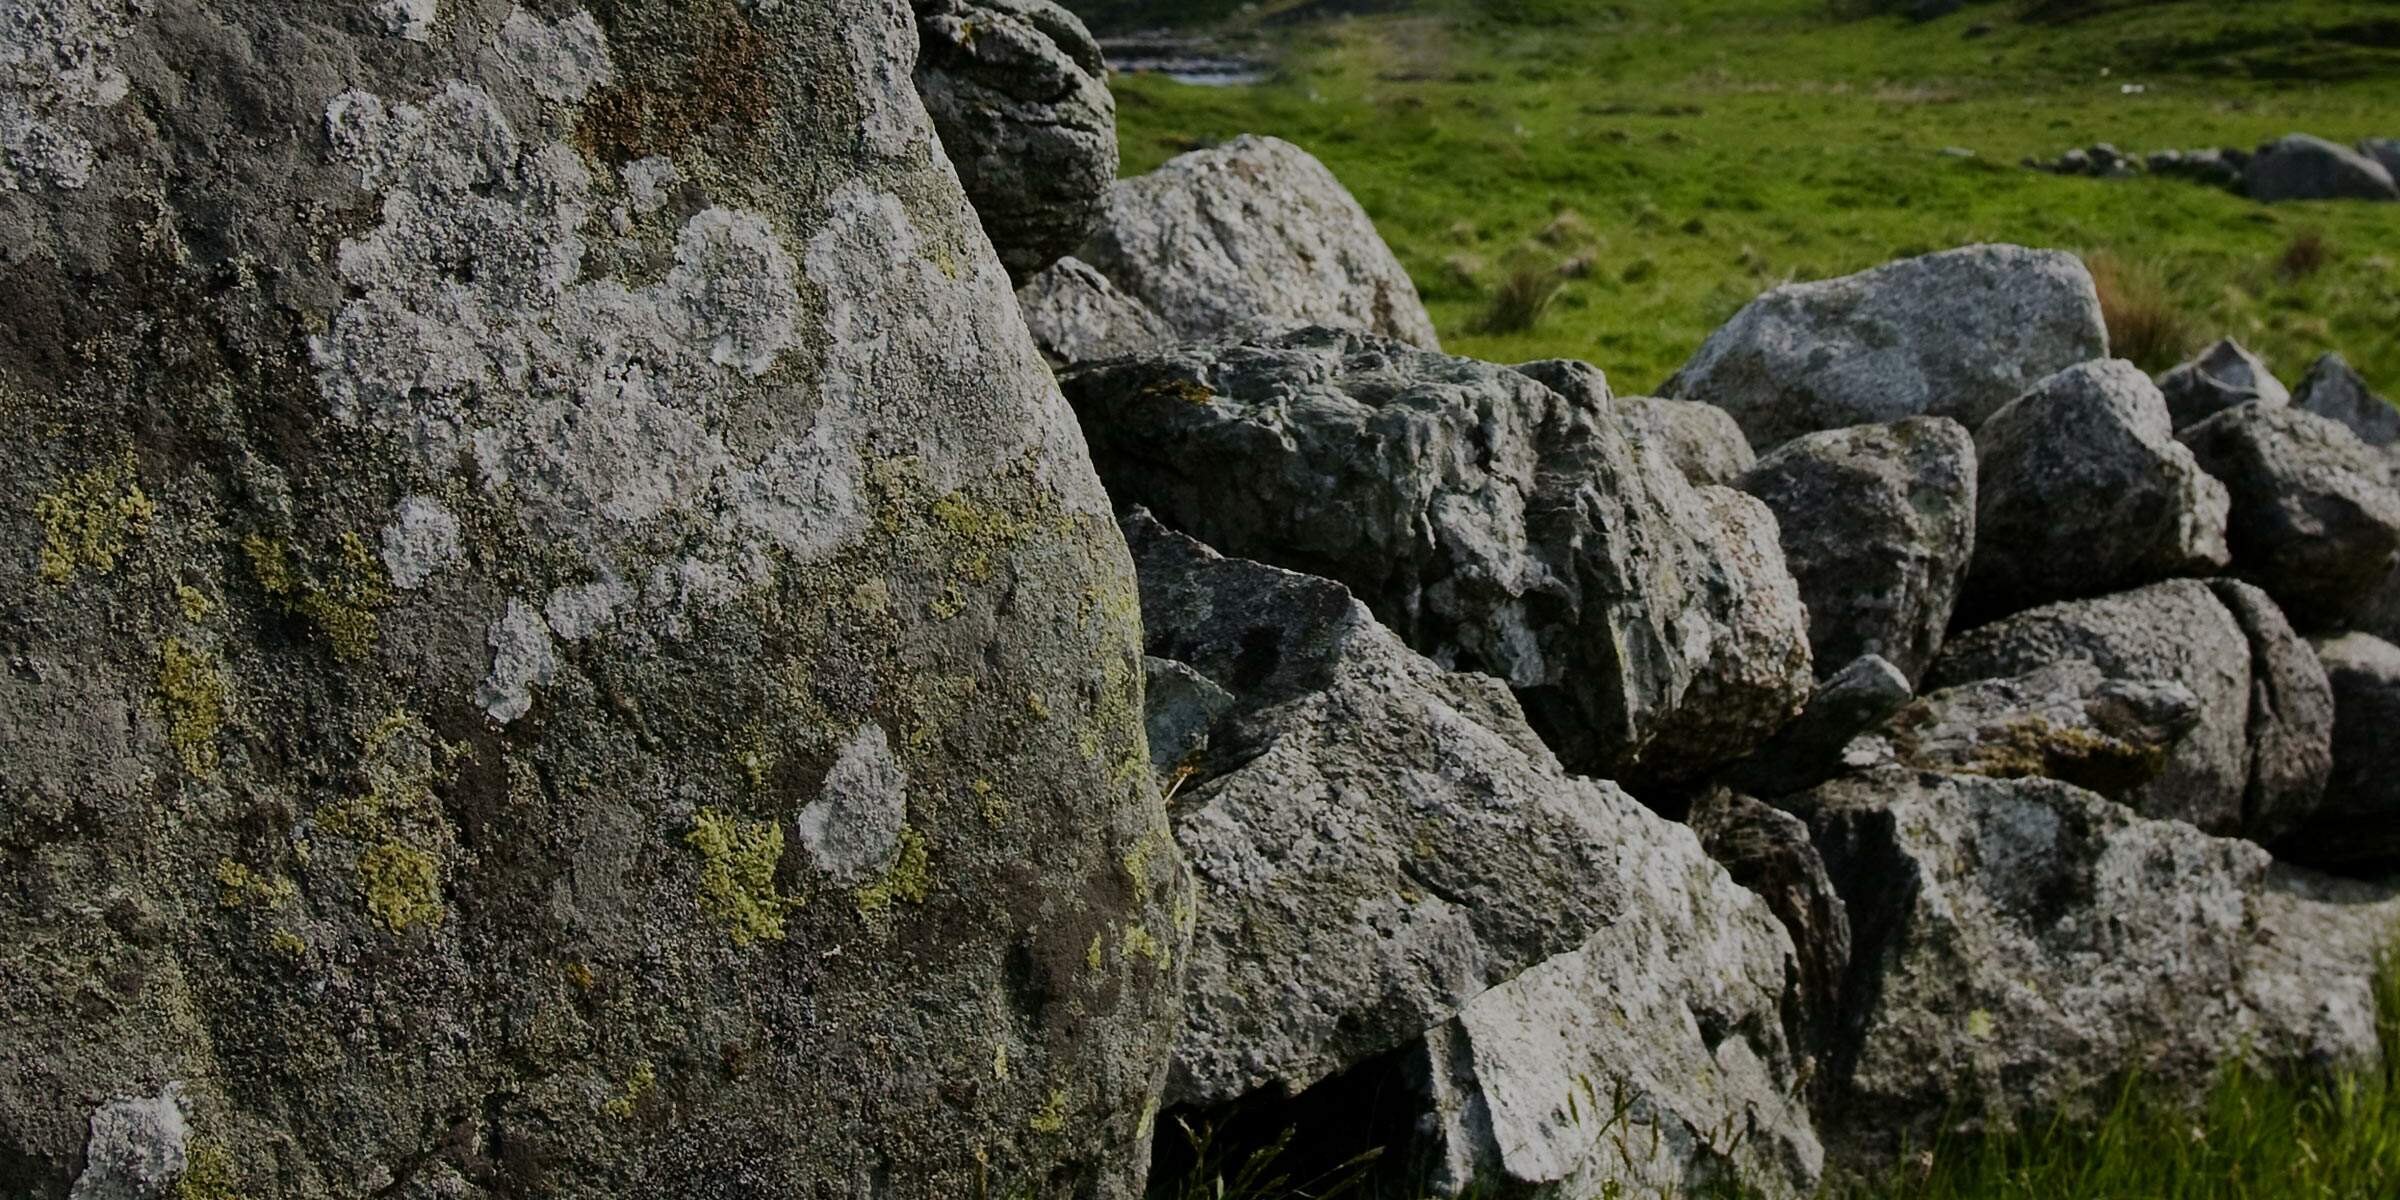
{"x": 2147, "y": 320}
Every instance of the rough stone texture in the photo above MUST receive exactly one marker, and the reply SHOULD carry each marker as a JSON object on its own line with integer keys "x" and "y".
{"x": 2358, "y": 825}
{"x": 1376, "y": 841}
{"x": 1770, "y": 852}
{"x": 1179, "y": 707}
{"x": 1078, "y": 316}
{"x": 1577, "y": 382}
{"x": 2224, "y": 375}
{"x": 1254, "y": 229}
{"x": 2083, "y": 490}
{"x": 2315, "y": 519}
{"x": 1955, "y": 334}
{"x": 1813, "y": 748}
{"x": 2068, "y": 721}
{"x": 1018, "y": 92}
{"x": 652, "y": 371}
{"x": 1702, "y": 440}
{"x": 2170, "y": 633}
{"x": 2334, "y": 391}
{"x": 2298, "y": 166}
{"x": 2022, "y": 943}
{"x": 2291, "y": 717}
{"x": 1878, "y": 525}
{"x": 1650, "y": 627}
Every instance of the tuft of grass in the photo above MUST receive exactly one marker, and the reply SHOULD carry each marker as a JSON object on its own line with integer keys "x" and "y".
{"x": 1222, "y": 1173}
{"x": 2147, "y": 321}
{"x": 1524, "y": 294}
{"x": 2306, "y": 254}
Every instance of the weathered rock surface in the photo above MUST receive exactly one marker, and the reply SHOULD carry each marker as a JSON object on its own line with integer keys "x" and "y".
{"x": 2022, "y": 943}
{"x": 1878, "y": 525}
{"x": 2224, "y": 375}
{"x": 2067, "y": 721}
{"x": 2358, "y": 825}
{"x": 478, "y": 477}
{"x": 2083, "y": 490}
{"x": 1577, "y": 382}
{"x": 2334, "y": 391}
{"x": 2291, "y": 717}
{"x": 1078, "y": 316}
{"x": 2315, "y": 519}
{"x": 1702, "y": 440}
{"x": 1253, "y": 229}
{"x": 1956, "y": 334}
{"x": 1018, "y": 92}
{"x": 2302, "y": 167}
{"x": 1648, "y": 626}
{"x": 1771, "y": 853}
{"x": 1814, "y": 747}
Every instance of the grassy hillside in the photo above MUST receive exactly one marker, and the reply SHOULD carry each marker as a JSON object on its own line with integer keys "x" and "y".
{"x": 1661, "y": 163}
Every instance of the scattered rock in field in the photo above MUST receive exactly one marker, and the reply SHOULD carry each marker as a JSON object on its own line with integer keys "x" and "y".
{"x": 2068, "y": 721}
{"x": 2357, "y": 827}
{"x": 2082, "y": 490}
{"x": 2335, "y": 392}
{"x": 1812, "y": 749}
{"x": 2301, "y": 167}
{"x": 2213, "y": 166}
{"x": 2101, "y": 161}
{"x": 1878, "y": 525}
{"x": 1956, "y": 334}
{"x": 2223, "y": 376}
{"x": 1078, "y": 316}
{"x": 1253, "y": 229}
{"x": 2315, "y": 520}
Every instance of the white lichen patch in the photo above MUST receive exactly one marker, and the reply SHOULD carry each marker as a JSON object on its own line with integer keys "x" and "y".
{"x": 647, "y": 182}
{"x": 883, "y": 56}
{"x": 853, "y": 829}
{"x": 522, "y": 659}
{"x": 55, "y": 71}
{"x": 411, "y": 19}
{"x": 420, "y": 541}
{"x": 561, "y": 62}
{"x": 579, "y": 611}
{"x": 138, "y": 1146}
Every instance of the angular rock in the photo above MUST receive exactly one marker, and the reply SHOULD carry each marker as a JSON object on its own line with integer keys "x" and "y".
{"x": 2291, "y": 717}
{"x": 1376, "y": 841}
{"x": 2083, "y": 490}
{"x": 1878, "y": 525}
{"x": 1700, "y": 439}
{"x": 1018, "y": 92}
{"x": 1078, "y": 316}
{"x": 1956, "y": 334}
{"x": 1813, "y": 748}
{"x": 1769, "y": 852}
{"x": 2067, "y": 722}
{"x": 2315, "y": 519}
{"x": 2176, "y": 632}
{"x": 1650, "y": 628}
{"x": 477, "y": 474}
{"x": 2357, "y": 828}
{"x": 1179, "y": 707}
{"x": 2023, "y": 943}
{"x": 2301, "y": 167}
{"x": 1578, "y": 383}
{"x": 2224, "y": 375}
{"x": 1253, "y": 229}
{"x": 2335, "y": 392}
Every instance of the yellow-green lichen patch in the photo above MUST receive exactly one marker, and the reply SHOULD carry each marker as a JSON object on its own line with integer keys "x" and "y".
{"x": 1000, "y": 1060}
{"x": 208, "y": 1175}
{"x": 87, "y": 524}
{"x": 240, "y": 887}
{"x": 402, "y": 885}
{"x": 638, "y": 1087}
{"x": 989, "y": 799}
{"x": 340, "y": 601}
{"x": 1052, "y": 1117}
{"x": 909, "y": 878}
{"x": 192, "y": 691}
{"x": 1189, "y": 391}
{"x": 401, "y": 763}
{"x": 288, "y": 944}
{"x": 193, "y": 602}
{"x": 1092, "y": 956}
{"x": 737, "y": 875}
{"x": 1139, "y": 943}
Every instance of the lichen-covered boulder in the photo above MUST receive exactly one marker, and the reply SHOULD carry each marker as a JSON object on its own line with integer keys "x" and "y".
{"x": 2299, "y": 166}
{"x": 1702, "y": 440}
{"x": 548, "y": 586}
{"x": 1078, "y": 316}
{"x": 1878, "y": 525}
{"x": 2068, "y": 721}
{"x": 2357, "y": 828}
{"x": 1253, "y": 229}
{"x": 2315, "y": 519}
{"x": 2083, "y": 490}
{"x": 2335, "y": 392}
{"x": 2224, "y": 375}
{"x": 1018, "y": 92}
{"x": 1955, "y": 334}
{"x": 2022, "y": 944}
{"x": 1650, "y": 627}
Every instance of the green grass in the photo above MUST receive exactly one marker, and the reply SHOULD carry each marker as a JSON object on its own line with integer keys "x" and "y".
{"x": 1710, "y": 150}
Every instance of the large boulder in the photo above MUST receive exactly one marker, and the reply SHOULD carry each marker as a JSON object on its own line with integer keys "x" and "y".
{"x": 1650, "y": 627}
{"x": 2023, "y": 944}
{"x": 2301, "y": 167}
{"x": 563, "y": 640}
{"x": 1702, "y": 440}
{"x": 2224, "y": 375}
{"x": 2358, "y": 826}
{"x": 1878, "y": 525}
{"x": 2335, "y": 392}
{"x": 1078, "y": 316}
{"x": 1955, "y": 334}
{"x": 2083, "y": 490}
{"x": 1018, "y": 92}
{"x": 2315, "y": 519}
{"x": 1250, "y": 230}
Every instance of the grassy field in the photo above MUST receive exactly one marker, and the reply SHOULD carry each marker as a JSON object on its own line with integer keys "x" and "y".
{"x": 1659, "y": 164}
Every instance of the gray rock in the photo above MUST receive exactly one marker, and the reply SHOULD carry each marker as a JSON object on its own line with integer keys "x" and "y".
{"x": 1376, "y": 841}
{"x": 2083, "y": 490}
{"x": 2173, "y": 633}
{"x": 1078, "y": 316}
{"x": 1179, "y": 707}
{"x": 1770, "y": 852}
{"x": 1956, "y": 334}
{"x": 1812, "y": 749}
{"x": 2315, "y": 520}
{"x": 1700, "y": 439}
{"x": 2022, "y": 944}
{"x": 2385, "y": 152}
{"x": 2357, "y": 827}
{"x": 650, "y": 371}
{"x": 1018, "y": 92}
{"x": 1253, "y": 229}
{"x": 2225, "y": 375}
{"x": 2068, "y": 721}
{"x": 1578, "y": 383}
{"x": 2335, "y": 392}
{"x": 1878, "y": 525}
{"x": 2291, "y": 717}
{"x": 1650, "y": 627}
{"x": 2301, "y": 167}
